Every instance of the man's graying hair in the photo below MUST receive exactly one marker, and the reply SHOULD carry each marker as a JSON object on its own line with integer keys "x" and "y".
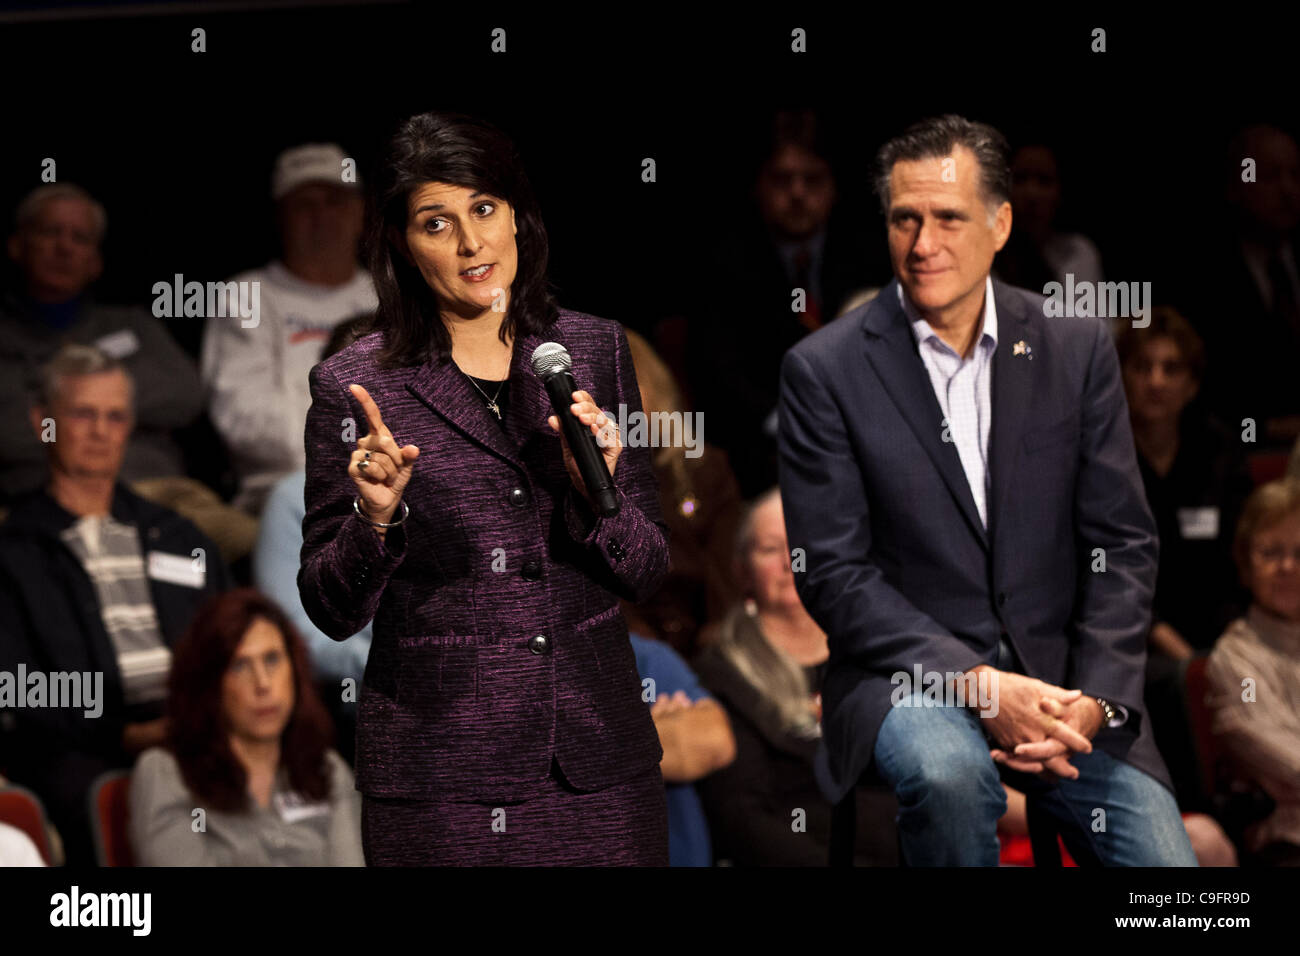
{"x": 935, "y": 138}
{"x": 30, "y": 206}
{"x": 73, "y": 360}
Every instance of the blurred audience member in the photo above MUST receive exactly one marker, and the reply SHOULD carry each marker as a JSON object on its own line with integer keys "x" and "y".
{"x": 696, "y": 739}
{"x": 58, "y": 231}
{"x": 765, "y": 665}
{"x": 700, "y": 503}
{"x": 17, "y": 848}
{"x": 256, "y": 377}
{"x": 275, "y": 574}
{"x": 1196, "y": 482}
{"x": 747, "y": 316}
{"x": 1038, "y": 252}
{"x": 249, "y": 748}
{"x": 1209, "y": 841}
{"x": 94, "y": 581}
{"x": 1254, "y": 669}
{"x": 1246, "y": 302}
{"x": 1196, "y": 479}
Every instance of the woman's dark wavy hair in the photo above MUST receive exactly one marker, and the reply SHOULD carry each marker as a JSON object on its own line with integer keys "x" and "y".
{"x": 200, "y": 737}
{"x": 462, "y": 151}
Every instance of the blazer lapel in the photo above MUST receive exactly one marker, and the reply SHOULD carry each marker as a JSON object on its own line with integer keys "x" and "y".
{"x": 891, "y": 349}
{"x": 1012, "y": 393}
{"x": 529, "y": 403}
{"x": 445, "y": 389}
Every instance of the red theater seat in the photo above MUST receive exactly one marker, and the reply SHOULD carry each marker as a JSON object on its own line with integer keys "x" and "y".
{"x": 108, "y": 816}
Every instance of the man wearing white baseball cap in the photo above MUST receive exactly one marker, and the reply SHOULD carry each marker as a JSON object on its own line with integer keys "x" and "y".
{"x": 256, "y": 371}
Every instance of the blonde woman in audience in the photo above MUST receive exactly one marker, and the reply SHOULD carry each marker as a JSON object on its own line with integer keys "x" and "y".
{"x": 1254, "y": 669}
{"x": 765, "y": 664}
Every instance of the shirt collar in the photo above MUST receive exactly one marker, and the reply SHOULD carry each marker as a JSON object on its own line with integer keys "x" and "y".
{"x": 56, "y": 518}
{"x": 923, "y": 331}
{"x": 57, "y": 315}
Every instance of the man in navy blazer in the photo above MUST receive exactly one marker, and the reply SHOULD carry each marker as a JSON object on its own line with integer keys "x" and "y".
{"x": 969, "y": 528}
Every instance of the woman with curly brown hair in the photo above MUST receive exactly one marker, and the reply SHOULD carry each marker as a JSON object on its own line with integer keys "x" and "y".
{"x": 248, "y": 777}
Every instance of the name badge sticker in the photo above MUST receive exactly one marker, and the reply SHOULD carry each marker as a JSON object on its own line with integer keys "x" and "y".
{"x": 1199, "y": 524}
{"x": 292, "y": 808}
{"x": 119, "y": 344}
{"x": 175, "y": 569}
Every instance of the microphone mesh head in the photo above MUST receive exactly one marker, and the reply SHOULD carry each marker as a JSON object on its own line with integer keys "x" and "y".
{"x": 551, "y": 357}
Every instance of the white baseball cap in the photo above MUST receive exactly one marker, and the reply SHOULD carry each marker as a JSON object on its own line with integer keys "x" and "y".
{"x": 309, "y": 163}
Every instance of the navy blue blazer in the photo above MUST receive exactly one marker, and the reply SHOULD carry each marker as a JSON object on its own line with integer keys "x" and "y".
{"x": 899, "y": 569}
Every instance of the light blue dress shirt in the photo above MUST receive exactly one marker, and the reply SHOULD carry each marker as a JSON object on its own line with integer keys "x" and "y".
{"x": 276, "y": 559}
{"x": 962, "y": 387}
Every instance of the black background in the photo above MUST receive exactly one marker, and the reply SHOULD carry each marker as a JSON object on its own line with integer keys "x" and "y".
{"x": 179, "y": 145}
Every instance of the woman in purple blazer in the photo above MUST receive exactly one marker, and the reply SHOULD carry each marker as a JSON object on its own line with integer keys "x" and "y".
{"x": 500, "y": 718}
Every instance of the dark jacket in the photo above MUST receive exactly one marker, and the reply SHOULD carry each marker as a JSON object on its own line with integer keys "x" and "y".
{"x": 1252, "y": 352}
{"x": 167, "y": 393}
{"x": 50, "y": 619}
{"x": 901, "y": 573}
{"x": 744, "y": 327}
{"x": 1198, "y": 591}
{"x": 498, "y": 641}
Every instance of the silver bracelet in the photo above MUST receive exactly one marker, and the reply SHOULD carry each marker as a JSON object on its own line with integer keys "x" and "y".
{"x": 356, "y": 506}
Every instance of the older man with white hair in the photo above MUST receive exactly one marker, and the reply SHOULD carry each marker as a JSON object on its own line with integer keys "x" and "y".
{"x": 97, "y": 582}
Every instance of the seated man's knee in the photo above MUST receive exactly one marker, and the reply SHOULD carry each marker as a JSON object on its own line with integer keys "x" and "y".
{"x": 943, "y": 760}
{"x": 953, "y": 776}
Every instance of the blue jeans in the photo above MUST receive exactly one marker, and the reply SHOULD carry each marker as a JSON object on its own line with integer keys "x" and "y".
{"x": 950, "y": 797}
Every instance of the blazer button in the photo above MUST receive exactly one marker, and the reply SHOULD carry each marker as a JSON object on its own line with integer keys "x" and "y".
{"x": 518, "y": 497}
{"x": 539, "y": 644}
{"x": 532, "y": 570}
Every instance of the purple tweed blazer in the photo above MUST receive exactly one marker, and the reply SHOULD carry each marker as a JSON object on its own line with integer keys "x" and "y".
{"x": 498, "y": 638}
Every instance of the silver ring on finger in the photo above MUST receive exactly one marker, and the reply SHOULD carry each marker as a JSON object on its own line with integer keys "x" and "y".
{"x": 363, "y": 464}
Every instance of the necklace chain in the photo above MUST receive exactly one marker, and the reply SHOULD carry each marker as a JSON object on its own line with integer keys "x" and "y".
{"x": 492, "y": 405}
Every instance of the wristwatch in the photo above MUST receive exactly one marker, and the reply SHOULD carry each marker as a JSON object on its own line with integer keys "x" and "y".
{"x": 1109, "y": 713}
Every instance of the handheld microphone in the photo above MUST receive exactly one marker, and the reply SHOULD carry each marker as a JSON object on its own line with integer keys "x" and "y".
{"x": 551, "y": 362}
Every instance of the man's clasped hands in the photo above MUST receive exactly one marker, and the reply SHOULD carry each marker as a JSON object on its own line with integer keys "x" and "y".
{"x": 1038, "y": 726}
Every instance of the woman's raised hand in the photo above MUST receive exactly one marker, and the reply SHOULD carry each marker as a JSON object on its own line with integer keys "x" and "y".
{"x": 387, "y": 468}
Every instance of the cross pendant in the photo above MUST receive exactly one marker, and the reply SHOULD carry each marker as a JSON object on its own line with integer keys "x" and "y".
{"x": 495, "y": 409}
